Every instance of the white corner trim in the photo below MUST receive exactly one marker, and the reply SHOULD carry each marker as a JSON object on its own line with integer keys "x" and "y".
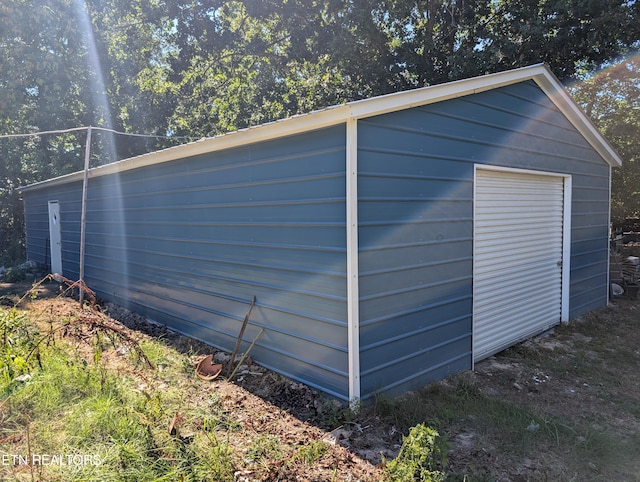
{"x": 566, "y": 250}
{"x": 353, "y": 298}
{"x": 609, "y": 243}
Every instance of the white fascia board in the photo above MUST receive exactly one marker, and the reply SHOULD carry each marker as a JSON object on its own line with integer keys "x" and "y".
{"x": 250, "y": 135}
{"x": 609, "y": 250}
{"x": 438, "y": 93}
{"x": 580, "y": 120}
{"x": 539, "y": 73}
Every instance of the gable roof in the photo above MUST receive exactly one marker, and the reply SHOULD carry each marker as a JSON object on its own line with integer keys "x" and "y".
{"x": 539, "y": 73}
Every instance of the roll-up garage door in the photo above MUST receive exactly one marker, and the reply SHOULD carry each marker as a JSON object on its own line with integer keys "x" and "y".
{"x": 517, "y": 267}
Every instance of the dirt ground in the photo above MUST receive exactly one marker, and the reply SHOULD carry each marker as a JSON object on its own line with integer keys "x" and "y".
{"x": 537, "y": 373}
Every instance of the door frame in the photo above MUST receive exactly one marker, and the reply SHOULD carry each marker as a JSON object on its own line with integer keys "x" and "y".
{"x": 566, "y": 228}
{"x": 55, "y": 237}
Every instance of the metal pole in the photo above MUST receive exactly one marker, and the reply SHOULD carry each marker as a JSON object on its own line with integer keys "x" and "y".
{"x": 87, "y": 155}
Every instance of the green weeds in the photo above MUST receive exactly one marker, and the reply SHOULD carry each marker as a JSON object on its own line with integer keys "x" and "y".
{"x": 311, "y": 452}
{"x": 59, "y": 401}
{"x": 592, "y": 366}
{"x": 421, "y": 457}
{"x": 17, "y": 337}
{"x": 83, "y": 387}
{"x": 61, "y": 392}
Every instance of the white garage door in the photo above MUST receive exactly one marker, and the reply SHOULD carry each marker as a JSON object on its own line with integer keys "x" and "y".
{"x": 517, "y": 267}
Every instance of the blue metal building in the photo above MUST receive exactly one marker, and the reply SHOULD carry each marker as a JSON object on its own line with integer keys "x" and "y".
{"x": 389, "y": 242}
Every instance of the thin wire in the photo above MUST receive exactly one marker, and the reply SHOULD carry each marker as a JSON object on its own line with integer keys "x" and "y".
{"x": 104, "y": 129}
{"x": 62, "y": 131}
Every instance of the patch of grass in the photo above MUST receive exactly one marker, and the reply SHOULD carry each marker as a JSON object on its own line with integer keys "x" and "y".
{"x": 160, "y": 355}
{"x": 17, "y": 340}
{"x": 331, "y": 413}
{"x": 71, "y": 407}
{"x": 523, "y": 352}
{"x": 214, "y": 417}
{"x": 264, "y": 448}
{"x": 78, "y": 394}
{"x": 311, "y": 453}
{"x": 519, "y": 429}
{"x": 406, "y": 411}
{"x": 512, "y": 428}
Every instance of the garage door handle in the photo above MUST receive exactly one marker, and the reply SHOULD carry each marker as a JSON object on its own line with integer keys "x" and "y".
{"x": 559, "y": 263}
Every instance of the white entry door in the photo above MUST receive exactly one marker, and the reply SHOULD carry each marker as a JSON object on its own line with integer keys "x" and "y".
{"x": 520, "y": 257}
{"x": 55, "y": 237}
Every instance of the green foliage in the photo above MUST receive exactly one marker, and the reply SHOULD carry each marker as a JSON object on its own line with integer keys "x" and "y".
{"x": 311, "y": 453}
{"x": 610, "y": 96}
{"x": 420, "y": 458}
{"x": 265, "y": 447}
{"x": 17, "y": 338}
{"x": 13, "y": 275}
{"x": 200, "y": 69}
{"x": 70, "y": 406}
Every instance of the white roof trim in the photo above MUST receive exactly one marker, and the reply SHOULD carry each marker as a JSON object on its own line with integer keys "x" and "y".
{"x": 539, "y": 73}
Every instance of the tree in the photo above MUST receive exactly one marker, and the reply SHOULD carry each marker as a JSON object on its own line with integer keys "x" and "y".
{"x": 611, "y": 97}
{"x": 63, "y": 67}
{"x": 434, "y": 41}
{"x": 40, "y": 54}
{"x": 204, "y": 67}
{"x": 231, "y": 64}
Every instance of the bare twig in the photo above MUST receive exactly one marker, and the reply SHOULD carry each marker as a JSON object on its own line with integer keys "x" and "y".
{"x": 81, "y": 285}
{"x": 246, "y": 353}
{"x": 241, "y": 334}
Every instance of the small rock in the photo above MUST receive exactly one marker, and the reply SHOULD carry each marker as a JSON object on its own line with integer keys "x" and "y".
{"x": 528, "y": 463}
{"x": 336, "y": 435}
{"x": 371, "y": 456}
{"x": 123, "y": 350}
{"x": 221, "y": 357}
{"x": 464, "y": 440}
{"x": 517, "y": 386}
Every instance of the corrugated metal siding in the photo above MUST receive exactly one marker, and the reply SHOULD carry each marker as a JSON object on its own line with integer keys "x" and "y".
{"x": 415, "y": 216}
{"x": 517, "y": 273}
{"x": 37, "y": 225}
{"x": 189, "y": 242}
{"x": 416, "y": 222}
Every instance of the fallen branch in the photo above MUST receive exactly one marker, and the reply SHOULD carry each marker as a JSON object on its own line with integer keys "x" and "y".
{"x": 4, "y": 402}
{"x": 80, "y": 284}
{"x": 241, "y": 334}
{"x": 92, "y": 319}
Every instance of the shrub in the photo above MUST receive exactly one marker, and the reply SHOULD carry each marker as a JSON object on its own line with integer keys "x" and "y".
{"x": 17, "y": 337}
{"x": 420, "y": 456}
